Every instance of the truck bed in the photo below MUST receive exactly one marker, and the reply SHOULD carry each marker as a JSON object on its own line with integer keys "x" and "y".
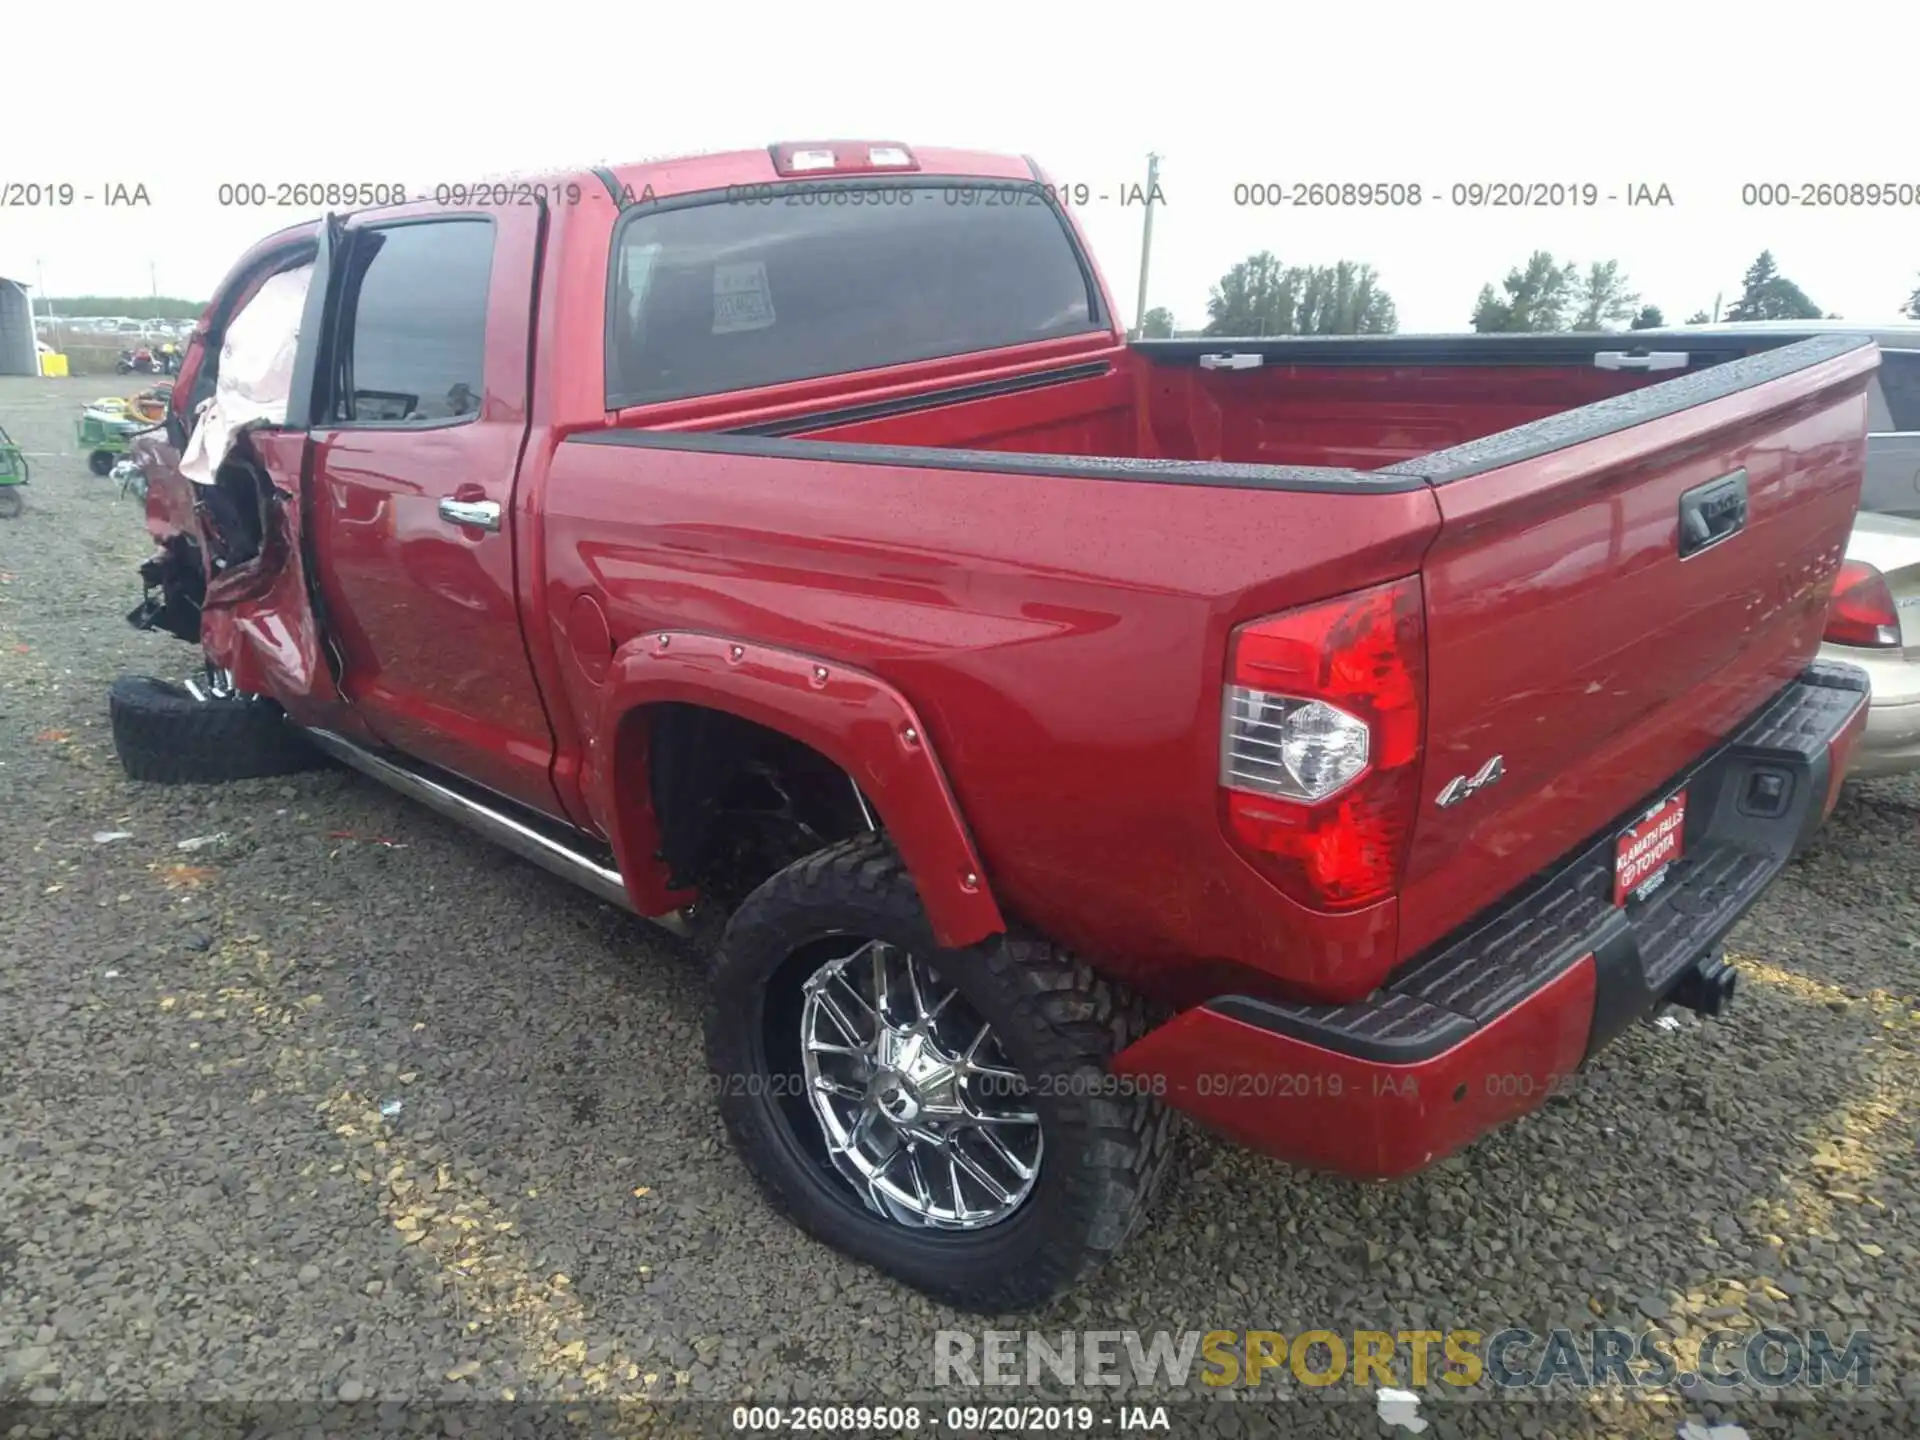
{"x": 1346, "y": 402}
{"x": 963, "y": 540}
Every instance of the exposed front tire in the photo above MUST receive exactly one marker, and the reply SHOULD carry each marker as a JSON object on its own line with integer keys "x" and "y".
{"x": 101, "y": 462}
{"x": 10, "y": 502}
{"x": 162, "y": 733}
{"x": 944, "y": 1115}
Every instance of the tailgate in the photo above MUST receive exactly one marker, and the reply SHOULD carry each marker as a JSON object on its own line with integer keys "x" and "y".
{"x": 1602, "y": 607}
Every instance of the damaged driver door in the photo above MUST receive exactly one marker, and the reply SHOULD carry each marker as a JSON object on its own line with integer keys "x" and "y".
{"x": 245, "y": 421}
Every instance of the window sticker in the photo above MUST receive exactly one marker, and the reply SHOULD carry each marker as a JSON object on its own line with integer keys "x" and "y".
{"x": 741, "y": 299}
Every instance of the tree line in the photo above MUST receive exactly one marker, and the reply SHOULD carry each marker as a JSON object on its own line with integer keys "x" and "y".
{"x": 1261, "y": 296}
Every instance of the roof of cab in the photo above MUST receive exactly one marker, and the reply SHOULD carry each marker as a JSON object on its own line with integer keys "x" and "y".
{"x": 670, "y": 175}
{"x": 687, "y": 174}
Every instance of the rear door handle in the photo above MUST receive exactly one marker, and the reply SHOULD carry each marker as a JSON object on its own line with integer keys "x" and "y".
{"x": 481, "y": 514}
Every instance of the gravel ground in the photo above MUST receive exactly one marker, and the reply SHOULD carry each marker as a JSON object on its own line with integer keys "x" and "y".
{"x": 201, "y": 1201}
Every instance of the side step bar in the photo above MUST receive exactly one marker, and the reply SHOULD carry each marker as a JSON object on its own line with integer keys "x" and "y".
{"x": 547, "y": 851}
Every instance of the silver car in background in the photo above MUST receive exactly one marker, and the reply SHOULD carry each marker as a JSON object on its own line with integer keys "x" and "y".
{"x": 1874, "y": 622}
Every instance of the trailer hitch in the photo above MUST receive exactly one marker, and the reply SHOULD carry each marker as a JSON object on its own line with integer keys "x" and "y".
{"x": 1707, "y": 987}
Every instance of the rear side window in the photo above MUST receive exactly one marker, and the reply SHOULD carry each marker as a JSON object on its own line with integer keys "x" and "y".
{"x": 1900, "y": 385}
{"x": 414, "y": 342}
{"x": 728, "y": 295}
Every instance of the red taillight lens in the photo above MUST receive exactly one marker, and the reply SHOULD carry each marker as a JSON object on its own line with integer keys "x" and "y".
{"x": 1320, "y": 743}
{"x": 1861, "y": 611}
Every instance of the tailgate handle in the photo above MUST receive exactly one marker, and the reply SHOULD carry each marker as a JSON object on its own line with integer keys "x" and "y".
{"x": 1240, "y": 361}
{"x": 1653, "y": 360}
{"x": 1713, "y": 512}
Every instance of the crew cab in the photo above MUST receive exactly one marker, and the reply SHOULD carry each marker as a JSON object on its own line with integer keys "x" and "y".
{"x": 1338, "y": 740}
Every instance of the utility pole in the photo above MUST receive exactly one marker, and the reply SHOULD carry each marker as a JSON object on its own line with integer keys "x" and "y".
{"x": 153, "y": 281}
{"x": 1716, "y": 307}
{"x": 1146, "y": 246}
{"x": 40, "y": 279}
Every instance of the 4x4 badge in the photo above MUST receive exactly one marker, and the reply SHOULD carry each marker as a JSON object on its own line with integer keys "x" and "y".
{"x": 1461, "y": 786}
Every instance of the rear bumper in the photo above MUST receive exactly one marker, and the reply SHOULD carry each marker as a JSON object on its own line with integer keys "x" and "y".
{"x": 1501, "y": 1015}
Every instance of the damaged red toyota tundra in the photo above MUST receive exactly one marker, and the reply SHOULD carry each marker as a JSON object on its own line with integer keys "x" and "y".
{"x": 1337, "y": 740}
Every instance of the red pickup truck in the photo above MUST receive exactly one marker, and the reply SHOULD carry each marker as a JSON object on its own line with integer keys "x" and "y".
{"x": 1337, "y": 740}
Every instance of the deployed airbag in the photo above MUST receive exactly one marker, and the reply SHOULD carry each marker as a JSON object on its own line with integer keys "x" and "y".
{"x": 255, "y": 375}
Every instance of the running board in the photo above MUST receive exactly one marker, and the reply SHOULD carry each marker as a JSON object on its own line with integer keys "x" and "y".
{"x": 546, "y": 851}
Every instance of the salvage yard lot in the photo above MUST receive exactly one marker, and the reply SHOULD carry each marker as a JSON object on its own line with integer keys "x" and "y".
{"x": 201, "y": 1197}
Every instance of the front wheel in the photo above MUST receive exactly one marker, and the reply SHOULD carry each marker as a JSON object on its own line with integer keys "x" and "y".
{"x": 10, "y": 502}
{"x": 945, "y": 1115}
{"x": 101, "y": 462}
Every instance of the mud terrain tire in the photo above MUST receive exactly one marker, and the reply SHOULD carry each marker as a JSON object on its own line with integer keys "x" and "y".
{"x": 1107, "y": 1145}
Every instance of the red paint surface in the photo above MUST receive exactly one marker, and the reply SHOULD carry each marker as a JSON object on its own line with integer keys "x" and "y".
{"x": 1063, "y": 640}
{"x": 589, "y": 638}
{"x": 1365, "y": 418}
{"x": 1373, "y": 1121}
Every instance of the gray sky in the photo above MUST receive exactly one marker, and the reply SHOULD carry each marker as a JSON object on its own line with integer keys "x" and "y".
{"x": 1700, "y": 97}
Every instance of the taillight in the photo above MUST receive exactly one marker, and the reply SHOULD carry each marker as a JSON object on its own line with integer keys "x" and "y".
{"x": 1861, "y": 611}
{"x": 1320, "y": 743}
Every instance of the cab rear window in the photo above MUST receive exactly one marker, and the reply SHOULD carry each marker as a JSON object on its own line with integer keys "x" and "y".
{"x": 824, "y": 278}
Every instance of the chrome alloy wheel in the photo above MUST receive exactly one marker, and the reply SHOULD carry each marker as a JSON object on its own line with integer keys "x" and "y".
{"x": 920, "y": 1111}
